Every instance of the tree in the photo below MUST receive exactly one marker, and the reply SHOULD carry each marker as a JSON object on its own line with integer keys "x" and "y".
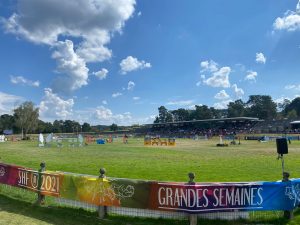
{"x": 156, "y": 120}
{"x": 76, "y": 127}
{"x": 292, "y": 114}
{"x": 261, "y": 106}
{"x": 236, "y": 108}
{"x": 282, "y": 105}
{"x": 26, "y": 117}
{"x": 218, "y": 113}
{"x": 180, "y": 115}
{"x": 86, "y": 127}
{"x": 68, "y": 126}
{"x": 71, "y": 126}
{"x": 164, "y": 115}
{"x": 58, "y": 126}
{"x": 44, "y": 127}
{"x": 294, "y": 105}
{"x": 7, "y": 122}
{"x": 113, "y": 127}
{"x": 202, "y": 112}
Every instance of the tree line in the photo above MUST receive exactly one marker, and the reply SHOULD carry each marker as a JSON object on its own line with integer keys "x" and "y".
{"x": 25, "y": 120}
{"x": 259, "y": 106}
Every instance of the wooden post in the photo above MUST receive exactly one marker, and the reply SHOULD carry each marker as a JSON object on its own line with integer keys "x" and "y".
{"x": 192, "y": 217}
{"x": 287, "y": 214}
{"x": 102, "y": 210}
{"x": 41, "y": 198}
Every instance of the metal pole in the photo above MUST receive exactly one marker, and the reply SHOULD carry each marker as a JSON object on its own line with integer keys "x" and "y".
{"x": 192, "y": 217}
{"x": 102, "y": 210}
{"x": 282, "y": 165}
{"x": 41, "y": 198}
{"x": 287, "y": 214}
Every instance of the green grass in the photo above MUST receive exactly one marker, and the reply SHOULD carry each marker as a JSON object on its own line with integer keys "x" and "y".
{"x": 250, "y": 161}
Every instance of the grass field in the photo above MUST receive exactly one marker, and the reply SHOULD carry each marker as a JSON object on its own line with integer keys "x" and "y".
{"x": 250, "y": 161}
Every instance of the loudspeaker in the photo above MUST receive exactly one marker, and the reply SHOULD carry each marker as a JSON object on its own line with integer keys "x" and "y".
{"x": 282, "y": 146}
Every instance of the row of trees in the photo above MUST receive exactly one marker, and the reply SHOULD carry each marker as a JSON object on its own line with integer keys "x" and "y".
{"x": 26, "y": 117}
{"x": 260, "y": 106}
{"x": 26, "y": 120}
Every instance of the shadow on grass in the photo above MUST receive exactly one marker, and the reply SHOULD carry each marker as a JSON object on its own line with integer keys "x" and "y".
{"x": 56, "y": 215}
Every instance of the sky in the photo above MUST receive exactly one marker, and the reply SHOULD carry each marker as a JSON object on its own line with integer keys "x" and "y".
{"x": 117, "y": 61}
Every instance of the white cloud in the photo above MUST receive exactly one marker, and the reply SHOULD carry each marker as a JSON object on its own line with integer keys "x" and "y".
{"x": 239, "y": 92}
{"x": 193, "y": 107}
{"x": 24, "y": 81}
{"x": 92, "y": 49}
{"x": 91, "y": 22}
{"x": 8, "y": 102}
{"x": 281, "y": 100}
{"x": 101, "y": 74}
{"x": 136, "y": 98}
{"x": 139, "y": 13}
{"x": 290, "y": 86}
{"x": 104, "y": 102}
{"x": 105, "y": 116}
{"x": 219, "y": 78}
{"x": 180, "y": 103}
{"x": 130, "y": 85}
{"x": 210, "y": 66}
{"x": 222, "y": 104}
{"x": 131, "y": 64}
{"x": 73, "y": 68}
{"x": 103, "y": 113}
{"x": 222, "y": 95}
{"x": 117, "y": 94}
{"x": 260, "y": 58}
{"x": 202, "y": 77}
{"x": 54, "y": 107}
{"x": 294, "y": 87}
{"x": 290, "y": 21}
{"x": 251, "y": 75}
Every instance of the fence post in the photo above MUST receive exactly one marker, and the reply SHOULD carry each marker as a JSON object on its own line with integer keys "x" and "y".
{"x": 102, "y": 210}
{"x": 287, "y": 214}
{"x": 192, "y": 217}
{"x": 41, "y": 198}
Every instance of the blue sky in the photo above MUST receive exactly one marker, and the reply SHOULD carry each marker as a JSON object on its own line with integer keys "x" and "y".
{"x": 105, "y": 61}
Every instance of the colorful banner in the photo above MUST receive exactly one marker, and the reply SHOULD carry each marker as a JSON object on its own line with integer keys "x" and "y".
{"x": 226, "y": 196}
{"x": 197, "y": 198}
{"x": 42, "y": 182}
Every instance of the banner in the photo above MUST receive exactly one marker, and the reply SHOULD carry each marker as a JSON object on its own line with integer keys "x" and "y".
{"x": 226, "y": 196}
{"x": 197, "y": 198}
{"x": 42, "y": 182}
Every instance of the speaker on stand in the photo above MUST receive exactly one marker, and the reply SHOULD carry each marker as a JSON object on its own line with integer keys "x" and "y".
{"x": 282, "y": 148}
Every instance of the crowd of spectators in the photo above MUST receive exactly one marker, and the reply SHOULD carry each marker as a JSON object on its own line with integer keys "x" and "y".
{"x": 191, "y": 131}
{"x": 226, "y": 128}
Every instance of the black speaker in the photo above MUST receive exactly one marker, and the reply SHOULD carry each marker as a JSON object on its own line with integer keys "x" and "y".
{"x": 282, "y": 146}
